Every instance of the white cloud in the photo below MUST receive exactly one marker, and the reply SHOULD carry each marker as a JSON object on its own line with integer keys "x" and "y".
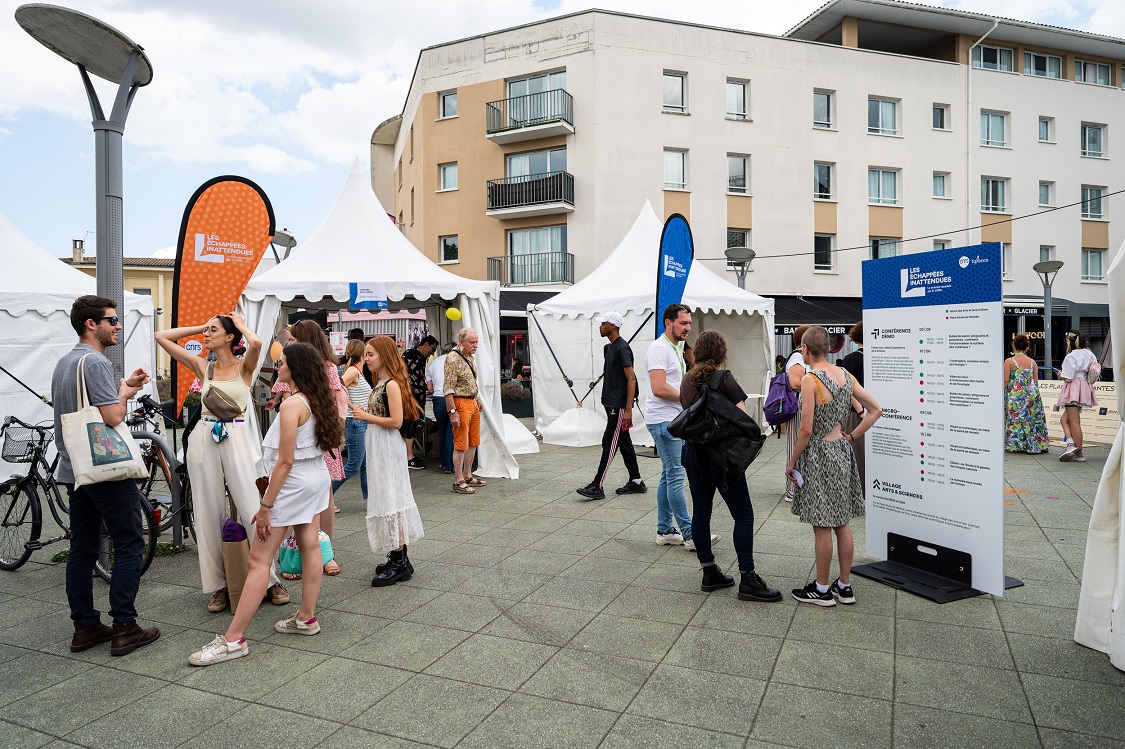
{"x": 165, "y": 252}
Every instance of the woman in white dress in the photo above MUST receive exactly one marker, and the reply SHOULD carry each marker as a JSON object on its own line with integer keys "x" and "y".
{"x": 392, "y": 517}
{"x": 308, "y": 422}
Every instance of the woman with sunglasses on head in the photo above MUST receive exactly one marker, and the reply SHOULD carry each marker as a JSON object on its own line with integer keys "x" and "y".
{"x": 1076, "y": 393}
{"x": 308, "y": 423}
{"x": 220, "y": 455}
{"x": 310, "y": 332}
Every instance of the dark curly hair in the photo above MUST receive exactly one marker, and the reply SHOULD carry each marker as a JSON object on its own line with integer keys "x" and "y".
{"x": 310, "y": 332}
{"x": 710, "y": 354}
{"x": 307, "y": 372}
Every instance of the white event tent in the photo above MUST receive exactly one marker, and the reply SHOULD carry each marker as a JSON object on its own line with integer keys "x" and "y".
{"x": 359, "y": 243}
{"x": 564, "y": 328}
{"x": 1100, "y": 623}
{"x": 37, "y": 290}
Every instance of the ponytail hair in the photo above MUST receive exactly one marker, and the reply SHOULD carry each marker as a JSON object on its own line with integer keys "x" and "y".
{"x": 710, "y": 354}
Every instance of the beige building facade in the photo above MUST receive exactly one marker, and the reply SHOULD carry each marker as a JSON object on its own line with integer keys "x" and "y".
{"x": 871, "y": 128}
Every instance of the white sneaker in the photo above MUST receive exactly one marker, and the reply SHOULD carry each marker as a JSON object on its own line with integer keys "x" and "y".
{"x": 219, "y": 650}
{"x": 294, "y": 626}
{"x": 790, "y": 495}
{"x": 689, "y": 545}
{"x": 669, "y": 539}
{"x": 1069, "y": 453}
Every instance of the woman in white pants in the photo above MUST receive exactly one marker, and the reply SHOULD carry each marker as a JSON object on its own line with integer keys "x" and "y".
{"x": 220, "y": 456}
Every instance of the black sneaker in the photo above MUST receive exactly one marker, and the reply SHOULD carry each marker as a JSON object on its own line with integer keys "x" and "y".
{"x": 843, "y": 594}
{"x": 809, "y": 594}
{"x": 591, "y": 491}
{"x": 416, "y": 463}
{"x": 633, "y": 487}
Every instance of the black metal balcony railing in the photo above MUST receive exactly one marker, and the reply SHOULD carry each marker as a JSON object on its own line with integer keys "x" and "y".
{"x": 530, "y": 189}
{"x": 541, "y": 267}
{"x": 528, "y": 110}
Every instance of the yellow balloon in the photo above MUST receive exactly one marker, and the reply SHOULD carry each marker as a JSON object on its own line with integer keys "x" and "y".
{"x": 275, "y": 351}
{"x": 453, "y": 313}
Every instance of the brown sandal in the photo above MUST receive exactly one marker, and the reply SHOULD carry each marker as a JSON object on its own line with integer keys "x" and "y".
{"x": 474, "y": 481}
{"x": 463, "y": 488}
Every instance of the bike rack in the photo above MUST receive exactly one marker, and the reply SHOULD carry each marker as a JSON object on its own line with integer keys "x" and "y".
{"x": 173, "y": 465}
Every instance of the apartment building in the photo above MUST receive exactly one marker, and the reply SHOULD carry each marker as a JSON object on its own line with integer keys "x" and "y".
{"x": 873, "y": 127}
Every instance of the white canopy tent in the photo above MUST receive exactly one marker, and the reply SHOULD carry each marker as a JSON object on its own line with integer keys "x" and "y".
{"x": 37, "y": 290}
{"x": 359, "y": 243}
{"x": 1100, "y": 623}
{"x": 564, "y": 327}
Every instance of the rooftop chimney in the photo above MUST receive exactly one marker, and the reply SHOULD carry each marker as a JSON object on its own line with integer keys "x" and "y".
{"x": 76, "y": 249}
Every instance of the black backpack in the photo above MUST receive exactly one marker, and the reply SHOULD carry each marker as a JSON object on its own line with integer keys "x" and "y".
{"x": 727, "y": 433}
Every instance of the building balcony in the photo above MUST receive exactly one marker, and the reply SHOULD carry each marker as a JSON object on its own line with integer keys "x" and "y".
{"x": 531, "y": 195}
{"x": 533, "y": 268}
{"x": 530, "y": 116}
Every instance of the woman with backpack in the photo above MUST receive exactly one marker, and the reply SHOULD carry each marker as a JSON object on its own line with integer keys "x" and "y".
{"x": 823, "y": 466}
{"x": 1079, "y": 368}
{"x": 796, "y": 369}
{"x": 705, "y": 475}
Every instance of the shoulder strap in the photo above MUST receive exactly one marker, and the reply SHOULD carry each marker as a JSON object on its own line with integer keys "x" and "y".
{"x": 818, "y": 390}
{"x": 210, "y": 370}
{"x": 80, "y": 383}
{"x": 471, "y": 367}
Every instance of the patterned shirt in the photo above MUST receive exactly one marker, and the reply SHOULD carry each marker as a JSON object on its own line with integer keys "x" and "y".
{"x": 459, "y": 378}
{"x": 416, "y": 371}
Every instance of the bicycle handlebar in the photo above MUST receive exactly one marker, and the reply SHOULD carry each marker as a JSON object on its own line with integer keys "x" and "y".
{"x": 9, "y": 420}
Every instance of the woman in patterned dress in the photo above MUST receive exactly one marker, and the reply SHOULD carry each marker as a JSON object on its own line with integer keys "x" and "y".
{"x": 1025, "y": 424}
{"x": 829, "y": 493}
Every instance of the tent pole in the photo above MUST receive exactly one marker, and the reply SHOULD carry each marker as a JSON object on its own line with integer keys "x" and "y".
{"x": 569, "y": 382}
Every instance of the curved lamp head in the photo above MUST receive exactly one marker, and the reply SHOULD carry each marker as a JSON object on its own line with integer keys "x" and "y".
{"x": 1047, "y": 270}
{"x": 84, "y": 40}
{"x": 740, "y": 255}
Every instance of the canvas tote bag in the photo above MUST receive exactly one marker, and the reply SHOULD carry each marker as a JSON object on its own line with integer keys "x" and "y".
{"x": 98, "y": 452}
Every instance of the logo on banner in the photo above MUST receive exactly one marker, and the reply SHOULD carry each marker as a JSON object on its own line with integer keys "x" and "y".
{"x": 673, "y": 268}
{"x": 203, "y": 254}
{"x": 673, "y": 264}
{"x": 193, "y": 347}
{"x": 889, "y": 488}
{"x": 909, "y": 288}
{"x": 963, "y": 262}
{"x": 367, "y": 295}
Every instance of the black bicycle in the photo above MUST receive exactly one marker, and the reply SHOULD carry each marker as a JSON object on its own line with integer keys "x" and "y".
{"x": 21, "y": 511}
{"x": 165, "y": 472}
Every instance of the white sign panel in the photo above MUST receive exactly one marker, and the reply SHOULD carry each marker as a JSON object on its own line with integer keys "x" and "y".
{"x": 933, "y": 326}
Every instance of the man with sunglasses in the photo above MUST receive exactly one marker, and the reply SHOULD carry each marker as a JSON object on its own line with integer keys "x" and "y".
{"x": 116, "y": 503}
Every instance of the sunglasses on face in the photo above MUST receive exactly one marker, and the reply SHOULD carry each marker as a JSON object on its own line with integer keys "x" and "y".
{"x": 113, "y": 319}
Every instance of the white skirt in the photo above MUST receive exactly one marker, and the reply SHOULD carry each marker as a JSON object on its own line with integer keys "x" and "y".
{"x": 304, "y": 495}
{"x": 392, "y": 515}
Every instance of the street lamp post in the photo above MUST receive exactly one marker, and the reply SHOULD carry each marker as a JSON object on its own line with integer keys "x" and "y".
{"x": 1047, "y": 271}
{"x": 98, "y": 48}
{"x": 740, "y": 258}
{"x": 283, "y": 239}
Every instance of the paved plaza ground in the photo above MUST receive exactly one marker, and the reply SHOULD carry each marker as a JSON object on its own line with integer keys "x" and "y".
{"x": 536, "y": 619}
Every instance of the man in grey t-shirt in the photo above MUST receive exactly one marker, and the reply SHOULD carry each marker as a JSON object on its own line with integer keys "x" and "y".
{"x": 115, "y": 503}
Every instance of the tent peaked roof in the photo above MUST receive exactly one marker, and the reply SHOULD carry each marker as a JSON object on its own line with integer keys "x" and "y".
{"x": 358, "y": 242}
{"x": 626, "y": 281}
{"x": 34, "y": 279}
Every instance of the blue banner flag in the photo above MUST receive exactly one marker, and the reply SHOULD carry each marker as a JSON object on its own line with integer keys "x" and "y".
{"x": 367, "y": 295}
{"x": 676, "y": 253}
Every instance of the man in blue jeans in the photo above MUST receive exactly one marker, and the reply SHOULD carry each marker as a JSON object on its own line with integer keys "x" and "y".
{"x": 115, "y": 503}
{"x": 665, "y": 365}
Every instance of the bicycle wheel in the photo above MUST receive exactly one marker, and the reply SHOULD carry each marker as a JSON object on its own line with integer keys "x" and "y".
{"x": 157, "y": 488}
{"x": 20, "y": 521}
{"x": 187, "y": 510}
{"x": 103, "y": 566}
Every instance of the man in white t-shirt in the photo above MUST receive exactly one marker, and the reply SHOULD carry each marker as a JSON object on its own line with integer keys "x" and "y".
{"x": 665, "y": 365}
{"x": 435, "y": 385}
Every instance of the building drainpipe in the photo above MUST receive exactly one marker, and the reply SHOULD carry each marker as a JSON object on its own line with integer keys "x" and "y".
{"x": 969, "y": 129}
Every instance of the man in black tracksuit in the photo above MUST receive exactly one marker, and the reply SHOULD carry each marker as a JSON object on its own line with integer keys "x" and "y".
{"x": 619, "y": 388}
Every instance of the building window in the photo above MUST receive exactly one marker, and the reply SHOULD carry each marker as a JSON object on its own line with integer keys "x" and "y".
{"x": 412, "y": 206}
{"x": 1092, "y": 264}
{"x": 1046, "y": 129}
{"x": 537, "y": 162}
{"x": 675, "y": 169}
{"x": 537, "y": 84}
{"x": 738, "y": 174}
{"x": 882, "y": 116}
{"x": 142, "y": 291}
{"x": 538, "y": 241}
{"x": 737, "y": 238}
{"x": 1044, "y": 66}
{"x": 448, "y": 173}
{"x": 824, "y": 257}
{"x": 448, "y": 104}
{"x": 738, "y": 100}
{"x": 1092, "y": 72}
{"x": 941, "y": 117}
{"x": 1092, "y": 201}
{"x": 1006, "y": 261}
{"x": 1046, "y": 252}
{"x": 992, "y": 58}
{"x": 941, "y": 184}
{"x": 1093, "y": 140}
{"x": 399, "y": 172}
{"x": 401, "y": 223}
{"x": 883, "y": 247}
{"x": 993, "y": 128}
{"x": 411, "y": 138}
{"x": 882, "y": 186}
{"x": 448, "y": 249}
{"x": 994, "y": 194}
{"x": 822, "y": 109}
{"x": 941, "y": 244}
{"x": 675, "y": 92}
{"x": 1046, "y": 193}
{"x": 822, "y": 180}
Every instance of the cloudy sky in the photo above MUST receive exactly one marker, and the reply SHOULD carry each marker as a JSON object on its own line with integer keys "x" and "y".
{"x": 285, "y": 93}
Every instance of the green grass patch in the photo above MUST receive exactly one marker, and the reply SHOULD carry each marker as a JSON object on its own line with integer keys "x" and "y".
{"x": 61, "y": 556}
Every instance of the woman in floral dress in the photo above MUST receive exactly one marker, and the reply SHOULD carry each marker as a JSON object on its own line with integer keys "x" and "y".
{"x": 1025, "y": 424}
